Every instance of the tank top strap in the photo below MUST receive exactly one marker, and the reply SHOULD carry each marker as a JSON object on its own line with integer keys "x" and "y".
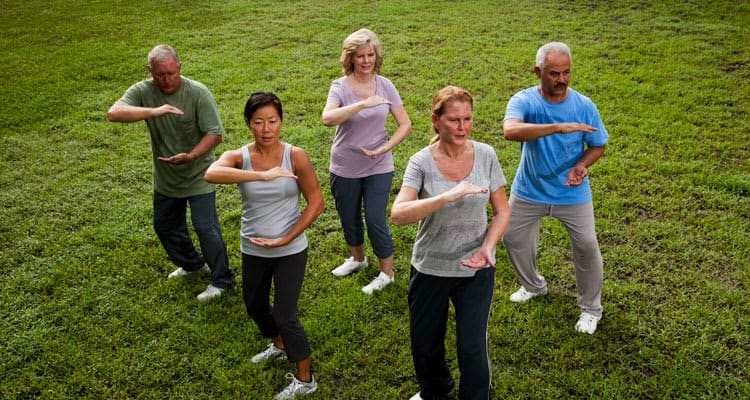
{"x": 286, "y": 161}
{"x": 246, "y": 158}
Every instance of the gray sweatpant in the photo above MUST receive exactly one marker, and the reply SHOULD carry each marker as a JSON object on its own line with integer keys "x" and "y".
{"x": 521, "y": 241}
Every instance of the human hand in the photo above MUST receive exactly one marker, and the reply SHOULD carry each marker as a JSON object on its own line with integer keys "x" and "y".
{"x": 571, "y": 127}
{"x": 167, "y": 109}
{"x": 375, "y": 153}
{"x": 374, "y": 101}
{"x": 463, "y": 189}
{"x": 479, "y": 259}
{"x": 267, "y": 243}
{"x": 576, "y": 175}
{"x": 277, "y": 172}
{"x": 177, "y": 159}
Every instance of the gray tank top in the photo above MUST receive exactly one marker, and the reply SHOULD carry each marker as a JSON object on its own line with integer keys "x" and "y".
{"x": 270, "y": 209}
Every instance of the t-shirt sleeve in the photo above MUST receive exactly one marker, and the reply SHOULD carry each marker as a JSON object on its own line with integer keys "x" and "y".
{"x": 391, "y": 94}
{"x": 497, "y": 177}
{"x": 414, "y": 173}
{"x": 209, "y": 121}
{"x": 600, "y": 136}
{"x": 516, "y": 108}
{"x": 334, "y": 93}
{"x": 133, "y": 95}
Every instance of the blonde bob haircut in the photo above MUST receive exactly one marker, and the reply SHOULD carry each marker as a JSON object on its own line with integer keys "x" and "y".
{"x": 354, "y": 43}
{"x": 445, "y": 96}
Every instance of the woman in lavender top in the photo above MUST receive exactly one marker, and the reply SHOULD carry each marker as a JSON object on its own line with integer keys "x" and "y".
{"x": 361, "y": 165}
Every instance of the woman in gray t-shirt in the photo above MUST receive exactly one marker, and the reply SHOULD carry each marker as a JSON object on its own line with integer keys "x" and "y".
{"x": 446, "y": 188}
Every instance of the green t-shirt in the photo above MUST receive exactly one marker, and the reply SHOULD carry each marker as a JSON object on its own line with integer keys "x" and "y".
{"x": 172, "y": 134}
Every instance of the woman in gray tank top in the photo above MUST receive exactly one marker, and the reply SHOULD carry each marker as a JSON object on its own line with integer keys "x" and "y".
{"x": 271, "y": 175}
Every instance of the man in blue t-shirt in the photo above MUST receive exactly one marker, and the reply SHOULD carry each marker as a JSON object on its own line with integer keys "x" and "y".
{"x": 185, "y": 127}
{"x": 561, "y": 136}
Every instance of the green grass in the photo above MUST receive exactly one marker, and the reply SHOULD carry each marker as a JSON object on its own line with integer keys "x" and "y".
{"x": 87, "y": 311}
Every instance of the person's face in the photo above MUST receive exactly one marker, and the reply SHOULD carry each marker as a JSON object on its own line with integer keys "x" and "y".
{"x": 555, "y": 77}
{"x": 266, "y": 125}
{"x": 166, "y": 74}
{"x": 364, "y": 60}
{"x": 454, "y": 125}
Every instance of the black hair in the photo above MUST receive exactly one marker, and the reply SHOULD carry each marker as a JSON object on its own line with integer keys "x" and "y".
{"x": 260, "y": 99}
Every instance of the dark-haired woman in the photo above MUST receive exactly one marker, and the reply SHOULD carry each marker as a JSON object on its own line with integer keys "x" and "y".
{"x": 271, "y": 175}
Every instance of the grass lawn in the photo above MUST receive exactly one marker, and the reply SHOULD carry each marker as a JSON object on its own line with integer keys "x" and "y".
{"x": 85, "y": 307}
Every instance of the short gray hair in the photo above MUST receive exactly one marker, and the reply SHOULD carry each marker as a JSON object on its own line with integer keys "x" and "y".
{"x": 549, "y": 49}
{"x": 162, "y": 52}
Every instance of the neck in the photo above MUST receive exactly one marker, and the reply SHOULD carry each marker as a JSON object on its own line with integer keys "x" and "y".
{"x": 453, "y": 150}
{"x": 553, "y": 98}
{"x": 363, "y": 78}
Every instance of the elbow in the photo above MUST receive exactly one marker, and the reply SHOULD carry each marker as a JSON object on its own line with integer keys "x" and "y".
{"x": 328, "y": 119}
{"x": 510, "y": 134}
{"x": 112, "y": 116}
{"x": 210, "y": 176}
{"x": 328, "y": 122}
{"x": 397, "y": 219}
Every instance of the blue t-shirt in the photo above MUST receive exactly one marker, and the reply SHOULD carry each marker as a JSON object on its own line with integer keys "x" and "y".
{"x": 546, "y": 162}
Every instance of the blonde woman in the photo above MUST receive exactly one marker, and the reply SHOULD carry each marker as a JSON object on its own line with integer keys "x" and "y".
{"x": 361, "y": 164}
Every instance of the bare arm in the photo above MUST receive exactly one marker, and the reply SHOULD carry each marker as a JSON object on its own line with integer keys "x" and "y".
{"x": 498, "y": 225}
{"x": 580, "y": 170}
{"x": 404, "y": 129}
{"x": 228, "y": 169}
{"x": 206, "y": 144}
{"x": 310, "y": 188}
{"x": 516, "y": 130}
{"x": 408, "y": 209}
{"x": 122, "y": 112}
{"x": 334, "y": 114}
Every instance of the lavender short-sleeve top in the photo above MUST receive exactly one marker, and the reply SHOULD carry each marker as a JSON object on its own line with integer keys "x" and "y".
{"x": 366, "y": 129}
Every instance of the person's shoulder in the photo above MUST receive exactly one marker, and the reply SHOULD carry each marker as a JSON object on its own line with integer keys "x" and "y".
{"x": 384, "y": 81}
{"x": 580, "y": 96}
{"x": 422, "y": 154}
{"x": 484, "y": 150}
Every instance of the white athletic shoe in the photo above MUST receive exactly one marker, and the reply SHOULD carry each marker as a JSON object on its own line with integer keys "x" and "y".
{"x": 210, "y": 292}
{"x": 182, "y": 272}
{"x": 381, "y": 281}
{"x": 297, "y": 387}
{"x": 270, "y": 353}
{"x": 350, "y": 265}
{"x": 587, "y": 323}
{"x": 522, "y": 295}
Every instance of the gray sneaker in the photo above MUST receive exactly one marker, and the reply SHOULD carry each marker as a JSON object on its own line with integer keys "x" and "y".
{"x": 297, "y": 387}
{"x": 270, "y": 353}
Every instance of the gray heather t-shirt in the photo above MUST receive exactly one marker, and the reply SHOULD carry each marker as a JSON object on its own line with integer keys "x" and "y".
{"x": 455, "y": 231}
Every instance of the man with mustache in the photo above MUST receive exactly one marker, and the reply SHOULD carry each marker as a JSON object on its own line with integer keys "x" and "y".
{"x": 561, "y": 135}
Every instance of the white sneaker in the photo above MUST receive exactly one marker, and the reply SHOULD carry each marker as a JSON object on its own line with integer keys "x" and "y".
{"x": 350, "y": 265}
{"x": 378, "y": 283}
{"x": 587, "y": 323}
{"x": 416, "y": 396}
{"x": 522, "y": 295}
{"x": 182, "y": 272}
{"x": 210, "y": 292}
{"x": 297, "y": 387}
{"x": 271, "y": 352}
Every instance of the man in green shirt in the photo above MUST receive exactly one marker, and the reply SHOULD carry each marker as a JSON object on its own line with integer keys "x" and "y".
{"x": 185, "y": 127}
